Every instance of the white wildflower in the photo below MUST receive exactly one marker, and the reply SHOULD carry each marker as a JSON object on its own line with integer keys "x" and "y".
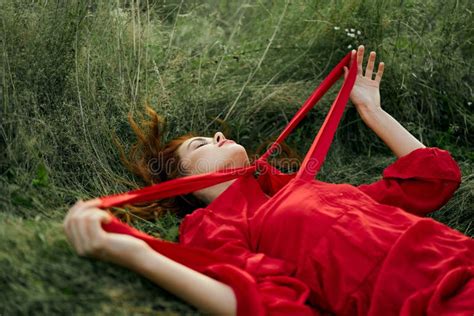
{"x": 359, "y": 32}
{"x": 353, "y": 30}
{"x": 347, "y": 30}
{"x": 336, "y": 28}
{"x": 349, "y": 47}
{"x": 351, "y": 34}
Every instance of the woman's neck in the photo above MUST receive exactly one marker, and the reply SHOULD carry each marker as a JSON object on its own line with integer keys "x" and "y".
{"x": 207, "y": 195}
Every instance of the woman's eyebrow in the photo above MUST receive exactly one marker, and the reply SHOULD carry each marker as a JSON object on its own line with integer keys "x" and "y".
{"x": 199, "y": 138}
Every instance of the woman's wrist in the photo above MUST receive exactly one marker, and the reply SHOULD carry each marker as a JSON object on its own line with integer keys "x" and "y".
{"x": 129, "y": 256}
{"x": 372, "y": 116}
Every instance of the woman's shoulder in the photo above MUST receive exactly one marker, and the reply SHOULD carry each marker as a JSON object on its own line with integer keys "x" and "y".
{"x": 190, "y": 220}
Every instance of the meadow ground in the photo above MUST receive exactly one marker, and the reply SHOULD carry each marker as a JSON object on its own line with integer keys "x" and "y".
{"x": 71, "y": 72}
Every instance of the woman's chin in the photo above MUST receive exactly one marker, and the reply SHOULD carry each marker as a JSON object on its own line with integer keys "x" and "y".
{"x": 234, "y": 163}
{"x": 239, "y": 156}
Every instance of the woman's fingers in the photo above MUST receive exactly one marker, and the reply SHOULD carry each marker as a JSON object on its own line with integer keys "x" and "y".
{"x": 70, "y": 227}
{"x": 92, "y": 203}
{"x": 346, "y": 70}
{"x": 360, "y": 58}
{"x": 80, "y": 228}
{"x": 73, "y": 235}
{"x": 353, "y": 55}
{"x": 77, "y": 221}
{"x": 379, "y": 74}
{"x": 370, "y": 65}
{"x": 96, "y": 233}
{"x": 88, "y": 231}
{"x": 77, "y": 207}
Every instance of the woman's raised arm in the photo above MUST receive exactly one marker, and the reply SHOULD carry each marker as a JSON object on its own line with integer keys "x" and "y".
{"x": 365, "y": 96}
{"x": 422, "y": 179}
{"x": 391, "y": 132}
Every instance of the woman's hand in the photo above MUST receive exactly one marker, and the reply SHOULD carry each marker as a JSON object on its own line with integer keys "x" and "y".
{"x": 85, "y": 234}
{"x": 365, "y": 94}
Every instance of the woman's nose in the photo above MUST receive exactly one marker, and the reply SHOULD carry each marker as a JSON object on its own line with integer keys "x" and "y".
{"x": 218, "y": 137}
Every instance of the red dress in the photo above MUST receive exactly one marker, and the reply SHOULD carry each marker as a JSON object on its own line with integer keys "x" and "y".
{"x": 288, "y": 244}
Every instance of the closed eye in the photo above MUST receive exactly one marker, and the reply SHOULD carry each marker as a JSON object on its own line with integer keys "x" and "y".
{"x": 201, "y": 144}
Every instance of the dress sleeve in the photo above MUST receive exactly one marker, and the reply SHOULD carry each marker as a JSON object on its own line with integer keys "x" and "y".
{"x": 264, "y": 295}
{"x": 419, "y": 182}
{"x": 266, "y": 289}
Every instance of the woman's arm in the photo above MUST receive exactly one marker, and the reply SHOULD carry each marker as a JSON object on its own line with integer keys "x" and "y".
{"x": 84, "y": 232}
{"x": 422, "y": 179}
{"x": 365, "y": 96}
{"x": 207, "y": 294}
{"x": 391, "y": 132}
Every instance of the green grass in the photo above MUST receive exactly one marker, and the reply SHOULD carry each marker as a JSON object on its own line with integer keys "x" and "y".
{"x": 70, "y": 72}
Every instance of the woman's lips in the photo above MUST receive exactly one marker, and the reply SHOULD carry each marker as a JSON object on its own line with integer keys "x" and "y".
{"x": 225, "y": 142}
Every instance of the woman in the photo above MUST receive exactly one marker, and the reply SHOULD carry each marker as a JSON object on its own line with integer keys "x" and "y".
{"x": 337, "y": 248}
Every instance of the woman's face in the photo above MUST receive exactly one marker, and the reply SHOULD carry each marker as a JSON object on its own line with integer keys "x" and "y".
{"x": 206, "y": 154}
